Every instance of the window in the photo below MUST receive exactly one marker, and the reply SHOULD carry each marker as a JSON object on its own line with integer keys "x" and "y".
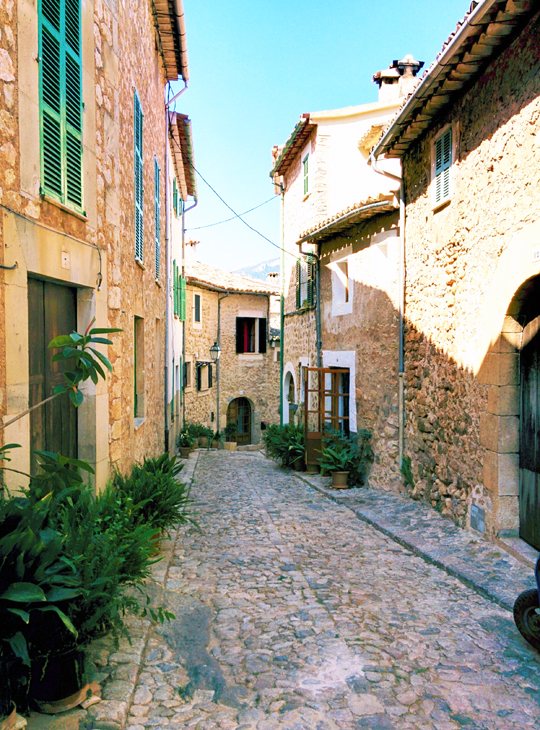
{"x": 305, "y": 173}
{"x": 138, "y": 177}
{"x": 210, "y": 376}
{"x": 342, "y": 287}
{"x": 197, "y": 308}
{"x": 305, "y": 282}
{"x": 336, "y": 400}
{"x": 157, "y": 218}
{"x": 138, "y": 368}
{"x": 179, "y": 293}
{"x": 250, "y": 335}
{"x": 60, "y": 100}
{"x": 187, "y": 374}
{"x": 442, "y": 166}
{"x": 343, "y": 275}
{"x": 198, "y": 376}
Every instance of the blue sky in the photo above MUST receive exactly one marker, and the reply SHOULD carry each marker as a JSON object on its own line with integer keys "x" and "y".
{"x": 255, "y": 66}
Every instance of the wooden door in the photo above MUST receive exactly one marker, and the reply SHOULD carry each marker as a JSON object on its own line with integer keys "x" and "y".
{"x": 52, "y": 311}
{"x": 326, "y": 406}
{"x": 529, "y": 447}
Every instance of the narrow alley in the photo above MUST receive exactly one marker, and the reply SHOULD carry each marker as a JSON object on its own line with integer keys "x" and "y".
{"x": 293, "y": 613}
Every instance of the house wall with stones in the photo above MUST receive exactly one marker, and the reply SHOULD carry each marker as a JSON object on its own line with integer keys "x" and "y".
{"x": 369, "y": 328}
{"x": 465, "y": 263}
{"x": 91, "y": 251}
{"x": 254, "y": 376}
{"x": 200, "y": 405}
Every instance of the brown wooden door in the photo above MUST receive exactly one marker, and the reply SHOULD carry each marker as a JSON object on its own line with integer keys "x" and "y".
{"x": 52, "y": 311}
{"x": 239, "y": 414}
{"x": 529, "y": 448}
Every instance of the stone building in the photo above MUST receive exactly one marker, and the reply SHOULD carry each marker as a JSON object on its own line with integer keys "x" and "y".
{"x": 468, "y": 142}
{"x": 341, "y": 270}
{"x": 83, "y": 215}
{"x": 240, "y": 315}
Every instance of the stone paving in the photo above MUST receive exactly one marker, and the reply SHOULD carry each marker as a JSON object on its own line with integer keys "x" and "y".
{"x": 293, "y": 612}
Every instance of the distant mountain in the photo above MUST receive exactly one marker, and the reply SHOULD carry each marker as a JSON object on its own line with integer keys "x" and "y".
{"x": 259, "y": 271}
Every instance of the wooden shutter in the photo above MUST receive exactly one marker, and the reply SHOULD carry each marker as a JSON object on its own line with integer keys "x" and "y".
{"x": 262, "y": 335}
{"x": 209, "y": 376}
{"x": 443, "y": 163}
{"x": 61, "y": 100}
{"x": 138, "y": 177}
{"x": 298, "y": 274}
{"x": 239, "y": 335}
{"x": 182, "y": 298}
{"x": 311, "y": 280}
{"x": 157, "y": 218}
{"x": 198, "y": 376}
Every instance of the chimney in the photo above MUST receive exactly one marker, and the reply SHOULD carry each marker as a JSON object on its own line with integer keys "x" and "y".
{"x": 399, "y": 79}
{"x": 191, "y": 250}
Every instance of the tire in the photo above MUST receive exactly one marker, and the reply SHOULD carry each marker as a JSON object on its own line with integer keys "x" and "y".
{"x": 527, "y": 616}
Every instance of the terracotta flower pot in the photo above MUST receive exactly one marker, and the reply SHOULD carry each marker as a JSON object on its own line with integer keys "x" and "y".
{"x": 9, "y": 721}
{"x": 185, "y": 451}
{"x": 339, "y": 479}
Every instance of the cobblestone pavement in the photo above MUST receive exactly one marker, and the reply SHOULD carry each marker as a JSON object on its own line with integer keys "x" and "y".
{"x": 293, "y": 613}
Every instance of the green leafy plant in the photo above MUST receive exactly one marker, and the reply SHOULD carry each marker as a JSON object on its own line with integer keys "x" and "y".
{"x": 407, "y": 472}
{"x": 337, "y": 455}
{"x": 185, "y": 439}
{"x": 155, "y": 498}
{"x": 230, "y": 432}
{"x": 284, "y": 443}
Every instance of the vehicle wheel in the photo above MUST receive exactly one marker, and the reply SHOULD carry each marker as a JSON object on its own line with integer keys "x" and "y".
{"x": 527, "y": 616}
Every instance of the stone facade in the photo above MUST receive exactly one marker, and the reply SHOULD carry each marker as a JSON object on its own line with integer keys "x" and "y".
{"x": 467, "y": 262}
{"x": 253, "y": 376}
{"x": 92, "y": 251}
{"x": 361, "y": 336}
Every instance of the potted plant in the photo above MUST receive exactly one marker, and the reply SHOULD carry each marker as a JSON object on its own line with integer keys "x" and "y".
{"x": 336, "y": 459}
{"x": 230, "y": 437}
{"x": 217, "y": 441}
{"x": 205, "y": 437}
{"x": 185, "y": 443}
{"x": 295, "y": 449}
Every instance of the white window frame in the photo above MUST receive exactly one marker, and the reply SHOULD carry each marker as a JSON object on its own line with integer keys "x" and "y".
{"x": 445, "y": 177}
{"x": 342, "y": 291}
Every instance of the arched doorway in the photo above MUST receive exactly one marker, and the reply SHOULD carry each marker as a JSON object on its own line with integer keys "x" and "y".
{"x": 289, "y": 397}
{"x": 528, "y": 316}
{"x": 239, "y": 415}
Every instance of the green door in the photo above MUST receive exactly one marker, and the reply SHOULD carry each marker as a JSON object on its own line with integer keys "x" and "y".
{"x": 529, "y": 446}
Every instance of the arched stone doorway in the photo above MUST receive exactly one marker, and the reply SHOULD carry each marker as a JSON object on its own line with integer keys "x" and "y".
{"x": 289, "y": 396}
{"x": 512, "y": 423}
{"x": 240, "y": 415}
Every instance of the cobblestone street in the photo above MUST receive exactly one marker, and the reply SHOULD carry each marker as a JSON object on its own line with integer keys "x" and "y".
{"x": 291, "y": 612}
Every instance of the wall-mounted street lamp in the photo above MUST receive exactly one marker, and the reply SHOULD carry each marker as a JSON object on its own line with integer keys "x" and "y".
{"x": 215, "y": 352}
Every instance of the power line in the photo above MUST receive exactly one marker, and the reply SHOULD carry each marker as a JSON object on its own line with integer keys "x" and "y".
{"x": 234, "y": 217}
{"x": 239, "y": 216}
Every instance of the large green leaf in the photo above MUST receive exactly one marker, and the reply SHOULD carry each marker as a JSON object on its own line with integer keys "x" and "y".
{"x": 60, "y": 593}
{"x": 23, "y": 593}
{"x": 19, "y": 647}
{"x": 24, "y": 615}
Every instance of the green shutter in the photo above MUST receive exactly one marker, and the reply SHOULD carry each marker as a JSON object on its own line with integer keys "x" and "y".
{"x": 60, "y": 100}
{"x": 311, "y": 280}
{"x": 157, "y": 218}
{"x": 298, "y": 275}
{"x": 138, "y": 177}
{"x": 175, "y": 196}
{"x": 182, "y": 303}
{"x": 443, "y": 163}
{"x": 175, "y": 308}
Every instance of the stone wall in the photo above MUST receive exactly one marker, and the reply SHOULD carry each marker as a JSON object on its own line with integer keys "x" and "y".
{"x": 465, "y": 261}
{"x": 371, "y": 328}
{"x": 93, "y": 252}
{"x": 254, "y": 376}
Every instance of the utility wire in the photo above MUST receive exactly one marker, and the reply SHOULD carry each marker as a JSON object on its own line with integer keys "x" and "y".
{"x": 234, "y": 217}
{"x": 239, "y": 216}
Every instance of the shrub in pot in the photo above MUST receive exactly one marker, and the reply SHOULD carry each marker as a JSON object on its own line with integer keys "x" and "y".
{"x": 336, "y": 459}
{"x": 217, "y": 441}
{"x": 230, "y": 436}
{"x": 284, "y": 443}
{"x": 185, "y": 443}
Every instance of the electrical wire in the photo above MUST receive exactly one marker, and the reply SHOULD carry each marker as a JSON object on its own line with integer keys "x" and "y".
{"x": 239, "y": 216}
{"x": 234, "y": 217}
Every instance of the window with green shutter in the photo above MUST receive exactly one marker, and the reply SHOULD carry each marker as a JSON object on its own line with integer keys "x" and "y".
{"x": 182, "y": 298}
{"x": 157, "y": 218}
{"x": 60, "y": 100}
{"x": 175, "y": 196}
{"x": 138, "y": 177}
{"x": 443, "y": 164}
